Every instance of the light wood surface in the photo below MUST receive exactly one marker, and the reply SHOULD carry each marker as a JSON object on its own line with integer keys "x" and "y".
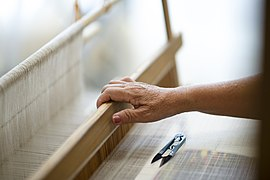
{"x": 91, "y": 143}
{"x": 171, "y": 79}
{"x": 92, "y": 137}
{"x": 167, "y": 19}
{"x": 217, "y": 147}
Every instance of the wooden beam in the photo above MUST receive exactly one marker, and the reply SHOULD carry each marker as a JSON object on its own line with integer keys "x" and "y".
{"x": 167, "y": 19}
{"x": 90, "y": 139}
{"x": 171, "y": 79}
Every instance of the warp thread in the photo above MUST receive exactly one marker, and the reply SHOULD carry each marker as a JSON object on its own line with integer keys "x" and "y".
{"x": 32, "y": 94}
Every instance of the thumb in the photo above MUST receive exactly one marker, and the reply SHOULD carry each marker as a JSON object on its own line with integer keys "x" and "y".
{"x": 125, "y": 116}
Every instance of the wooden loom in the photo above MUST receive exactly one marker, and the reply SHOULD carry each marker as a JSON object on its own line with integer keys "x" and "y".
{"x": 82, "y": 153}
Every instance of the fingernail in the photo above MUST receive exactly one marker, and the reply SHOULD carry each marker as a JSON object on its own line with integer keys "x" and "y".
{"x": 116, "y": 119}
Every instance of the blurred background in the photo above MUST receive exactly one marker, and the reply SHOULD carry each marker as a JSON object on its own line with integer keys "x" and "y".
{"x": 221, "y": 39}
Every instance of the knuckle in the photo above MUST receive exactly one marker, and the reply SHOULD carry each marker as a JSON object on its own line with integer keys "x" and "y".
{"x": 127, "y": 78}
{"x": 111, "y": 81}
{"x": 106, "y": 91}
{"x": 104, "y": 88}
{"x": 128, "y": 115}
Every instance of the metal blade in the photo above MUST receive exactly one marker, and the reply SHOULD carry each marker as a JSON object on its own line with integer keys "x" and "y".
{"x": 165, "y": 160}
{"x": 156, "y": 158}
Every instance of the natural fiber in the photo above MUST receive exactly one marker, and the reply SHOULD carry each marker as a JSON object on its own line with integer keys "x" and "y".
{"x": 38, "y": 108}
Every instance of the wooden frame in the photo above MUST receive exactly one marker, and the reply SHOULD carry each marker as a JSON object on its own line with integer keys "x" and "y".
{"x": 81, "y": 148}
{"x": 91, "y": 143}
{"x": 171, "y": 79}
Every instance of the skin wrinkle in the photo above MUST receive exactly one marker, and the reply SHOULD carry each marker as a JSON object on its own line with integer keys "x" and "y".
{"x": 238, "y": 98}
{"x": 135, "y": 95}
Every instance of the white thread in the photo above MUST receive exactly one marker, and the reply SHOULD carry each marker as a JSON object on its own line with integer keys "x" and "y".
{"x": 27, "y": 159}
{"x": 39, "y": 103}
{"x": 33, "y": 94}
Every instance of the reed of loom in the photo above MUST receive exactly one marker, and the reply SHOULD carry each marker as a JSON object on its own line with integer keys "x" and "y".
{"x": 31, "y": 95}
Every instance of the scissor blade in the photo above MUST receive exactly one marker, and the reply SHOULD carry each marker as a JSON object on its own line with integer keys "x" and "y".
{"x": 165, "y": 160}
{"x": 156, "y": 158}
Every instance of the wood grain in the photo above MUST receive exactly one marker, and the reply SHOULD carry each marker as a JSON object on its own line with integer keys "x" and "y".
{"x": 170, "y": 79}
{"x": 91, "y": 139}
{"x": 217, "y": 147}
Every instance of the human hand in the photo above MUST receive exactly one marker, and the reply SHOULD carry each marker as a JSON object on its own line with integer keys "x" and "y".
{"x": 150, "y": 103}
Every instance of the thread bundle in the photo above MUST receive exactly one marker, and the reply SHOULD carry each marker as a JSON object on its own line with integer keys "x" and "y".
{"x": 42, "y": 101}
{"x": 30, "y": 96}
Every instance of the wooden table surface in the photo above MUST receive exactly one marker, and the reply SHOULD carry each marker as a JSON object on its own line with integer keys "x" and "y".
{"x": 217, "y": 147}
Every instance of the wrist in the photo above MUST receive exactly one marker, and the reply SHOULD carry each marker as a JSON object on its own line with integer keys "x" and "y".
{"x": 180, "y": 100}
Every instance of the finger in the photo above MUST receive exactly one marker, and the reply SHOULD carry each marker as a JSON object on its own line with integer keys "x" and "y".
{"x": 114, "y": 94}
{"x": 127, "y": 79}
{"x": 103, "y": 98}
{"x": 117, "y": 82}
{"x": 126, "y": 116}
{"x": 112, "y": 86}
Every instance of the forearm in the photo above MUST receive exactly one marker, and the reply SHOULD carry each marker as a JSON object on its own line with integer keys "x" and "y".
{"x": 238, "y": 98}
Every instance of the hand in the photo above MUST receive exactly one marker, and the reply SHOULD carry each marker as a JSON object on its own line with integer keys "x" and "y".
{"x": 150, "y": 103}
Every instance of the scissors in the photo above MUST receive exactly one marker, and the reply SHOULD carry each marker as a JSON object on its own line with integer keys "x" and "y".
{"x": 168, "y": 151}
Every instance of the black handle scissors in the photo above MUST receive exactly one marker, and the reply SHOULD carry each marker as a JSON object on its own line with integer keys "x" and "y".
{"x": 168, "y": 151}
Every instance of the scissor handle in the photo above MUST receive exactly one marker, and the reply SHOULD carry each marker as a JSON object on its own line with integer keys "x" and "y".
{"x": 179, "y": 140}
{"x": 166, "y": 147}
